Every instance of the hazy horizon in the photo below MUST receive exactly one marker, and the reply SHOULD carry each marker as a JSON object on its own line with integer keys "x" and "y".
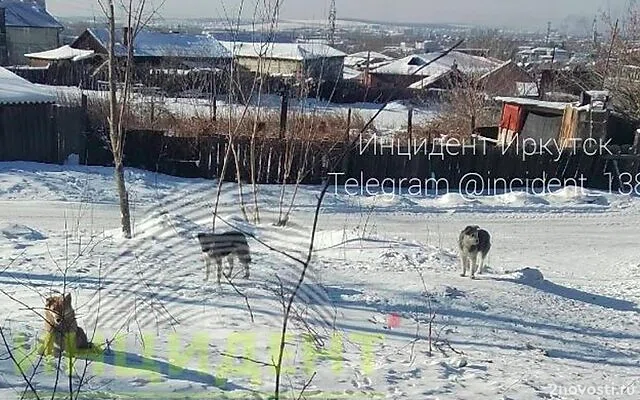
{"x": 524, "y": 13}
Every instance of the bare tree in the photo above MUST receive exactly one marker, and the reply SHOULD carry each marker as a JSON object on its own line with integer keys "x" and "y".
{"x": 618, "y": 63}
{"x": 137, "y": 16}
{"x": 76, "y": 376}
{"x": 232, "y": 130}
{"x": 465, "y": 109}
{"x": 267, "y": 15}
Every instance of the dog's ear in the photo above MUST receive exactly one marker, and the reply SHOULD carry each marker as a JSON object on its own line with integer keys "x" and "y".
{"x": 67, "y": 299}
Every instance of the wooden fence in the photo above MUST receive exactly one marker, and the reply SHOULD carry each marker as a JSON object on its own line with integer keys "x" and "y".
{"x": 41, "y": 132}
{"x": 27, "y": 133}
{"x": 275, "y": 160}
{"x": 279, "y": 160}
{"x": 492, "y": 168}
{"x": 51, "y": 133}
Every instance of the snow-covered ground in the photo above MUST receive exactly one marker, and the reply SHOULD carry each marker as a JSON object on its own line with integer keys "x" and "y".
{"x": 555, "y": 316}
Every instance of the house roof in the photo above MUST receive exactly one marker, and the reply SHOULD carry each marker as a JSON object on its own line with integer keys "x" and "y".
{"x": 498, "y": 68}
{"x": 550, "y": 105}
{"x": 504, "y": 65}
{"x": 252, "y": 36}
{"x": 426, "y": 82}
{"x": 351, "y": 73}
{"x": 362, "y": 57}
{"x": 371, "y": 54}
{"x": 161, "y": 44}
{"x": 27, "y": 14}
{"x": 466, "y": 63}
{"x": 283, "y": 51}
{"x": 16, "y": 90}
{"x": 62, "y": 53}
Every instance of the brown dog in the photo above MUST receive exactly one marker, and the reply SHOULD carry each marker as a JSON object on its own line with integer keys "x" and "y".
{"x": 61, "y": 327}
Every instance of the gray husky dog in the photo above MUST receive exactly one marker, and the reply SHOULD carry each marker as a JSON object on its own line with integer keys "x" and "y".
{"x": 473, "y": 242}
{"x": 218, "y": 246}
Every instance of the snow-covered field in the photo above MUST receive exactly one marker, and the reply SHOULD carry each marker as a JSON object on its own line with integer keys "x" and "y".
{"x": 555, "y": 316}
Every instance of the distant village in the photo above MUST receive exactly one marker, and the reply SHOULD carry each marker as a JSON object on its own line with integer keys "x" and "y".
{"x": 544, "y": 86}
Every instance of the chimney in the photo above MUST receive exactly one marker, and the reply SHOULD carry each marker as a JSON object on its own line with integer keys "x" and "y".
{"x": 4, "y": 49}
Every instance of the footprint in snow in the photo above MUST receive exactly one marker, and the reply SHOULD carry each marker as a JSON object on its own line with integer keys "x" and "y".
{"x": 139, "y": 382}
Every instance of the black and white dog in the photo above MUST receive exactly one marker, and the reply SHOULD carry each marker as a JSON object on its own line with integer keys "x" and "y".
{"x": 473, "y": 242}
{"x": 218, "y": 246}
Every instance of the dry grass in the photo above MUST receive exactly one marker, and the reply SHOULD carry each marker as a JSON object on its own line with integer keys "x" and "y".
{"x": 465, "y": 111}
{"x": 154, "y": 114}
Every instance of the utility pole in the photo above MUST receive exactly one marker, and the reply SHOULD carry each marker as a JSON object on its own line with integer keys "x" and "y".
{"x": 548, "y": 33}
{"x": 595, "y": 34}
{"x": 333, "y": 14}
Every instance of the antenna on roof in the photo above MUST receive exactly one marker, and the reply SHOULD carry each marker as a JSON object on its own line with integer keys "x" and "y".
{"x": 333, "y": 15}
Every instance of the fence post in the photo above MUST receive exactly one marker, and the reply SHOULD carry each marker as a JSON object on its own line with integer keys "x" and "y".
{"x": 636, "y": 142}
{"x": 348, "y": 130}
{"x": 55, "y": 133}
{"x": 152, "y": 122}
{"x": 215, "y": 108}
{"x": 84, "y": 135}
{"x": 283, "y": 114}
{"x": 3, "y": 141}
{"x": 410, "y": 123}
{"x": 473, "y": 125}
{"x": 347, "y": 140}
{"x": 636, "y": 150}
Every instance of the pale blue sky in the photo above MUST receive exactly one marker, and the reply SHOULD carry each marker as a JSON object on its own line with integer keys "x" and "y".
{"x": 498, "y": 12}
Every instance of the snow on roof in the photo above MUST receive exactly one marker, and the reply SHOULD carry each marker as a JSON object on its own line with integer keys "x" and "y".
{"x": 360, "y": 59}
{"x": 371, "y": 54}
{"x": 162, "y": 44}
{"x": 542, "y": 50}
{"x": 350, "y": 73}
{"x": 429, "y": 80}
{"x": 28, "y": 14}
{"x": 283, "y": 51}
{"x": 62, "y": 53}
{"x": 409, "y": 65}
{"x": 598, "y": 94}
{"x": 497, "y": 68}
{"x": 16, "y": 90}
{"x": 552, "y": 105}
{"x": 363, "y": 56}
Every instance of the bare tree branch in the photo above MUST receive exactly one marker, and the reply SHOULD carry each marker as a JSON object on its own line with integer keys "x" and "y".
{"x": 12, "y": 357}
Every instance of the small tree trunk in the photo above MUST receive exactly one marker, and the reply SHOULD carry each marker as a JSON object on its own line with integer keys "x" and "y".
{"x": 116, "y": 132}
{"x": 123, "y": 195}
